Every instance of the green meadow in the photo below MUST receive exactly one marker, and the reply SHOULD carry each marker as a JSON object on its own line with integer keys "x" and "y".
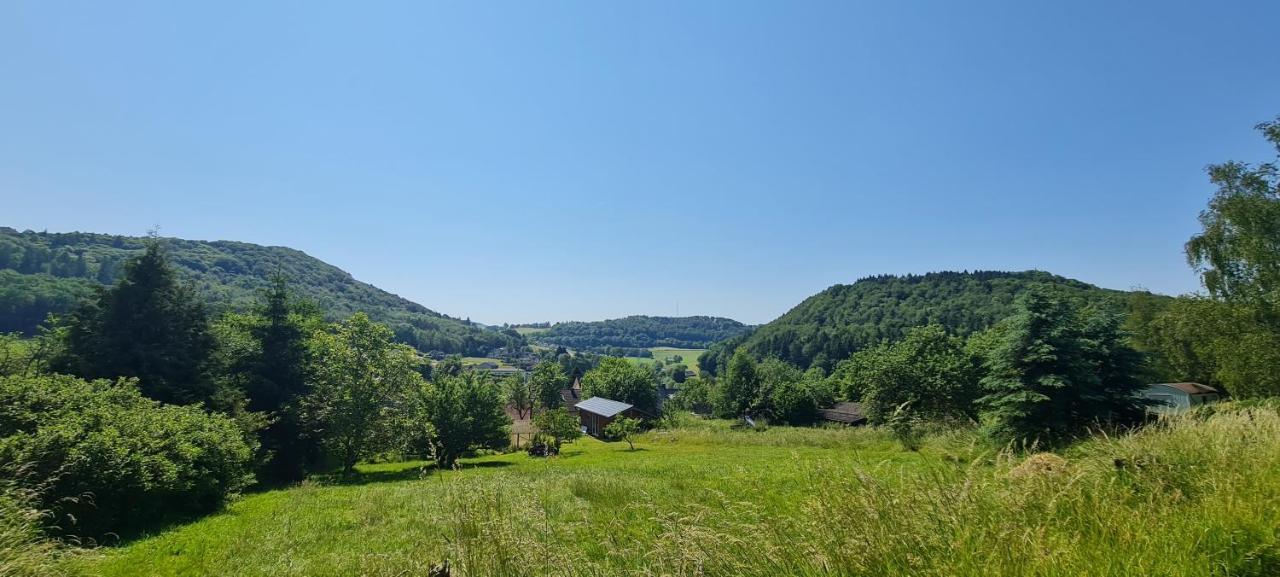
{"x": 689, "y": 356}
{"x": 1194, "y": 495}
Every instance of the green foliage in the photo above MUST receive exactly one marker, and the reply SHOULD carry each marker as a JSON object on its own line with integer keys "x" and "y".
{"x": 464, "y": 414}
{"x": 640, "y": 332}
{"x": 26, "y": 300}
{"x": 617, "y": 379}
{"x": 793, "y": 401}
{"x": 1221, "y": 344}
{"x": 109, "y": 459}
{"x": 229, "y": 275}
{"x": 1193, "y": 496}
{"x": 548, "y": 379}
{"x": 1231, "y": 340}
{"x": 843, "y": 319}
{"x": 1057, "y": 370}
{"x": 265, "y": 354}
{"x": 738, "y": 391}
{"x": 771, "y": 388}
{"x": 695, "y": 395}
{"x": 519, "y": 394}
{"x": 362, "y": 381}
{"x": 559, "y": 425}
{"x": 19, "y": 356}
{"x": 928, "y": 375}
{"x": 1238, "y": 252}
{"x": 623, "y": 428}
{"x": 148, "y": 326}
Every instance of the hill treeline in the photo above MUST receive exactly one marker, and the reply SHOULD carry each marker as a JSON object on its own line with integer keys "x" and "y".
{"x": 42, "y": 273}
{"x": 831, "y": 325}
{"x": 637, "y": 332}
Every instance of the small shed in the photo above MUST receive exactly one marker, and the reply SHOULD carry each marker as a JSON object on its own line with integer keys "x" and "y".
{"x": 1177, "y": 397}
{"x": 597, "y": 412}
{"x": 844, "y": 413}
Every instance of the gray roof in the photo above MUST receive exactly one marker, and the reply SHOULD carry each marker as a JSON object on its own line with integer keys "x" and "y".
{"x": 602, "y": 406}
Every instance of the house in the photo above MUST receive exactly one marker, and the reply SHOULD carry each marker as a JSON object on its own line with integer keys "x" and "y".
{"x": 1177, "y": 397}
{"x": 569, "y": 397}
{"x": 597, "y": 412}
{"x": 844, "y": 413}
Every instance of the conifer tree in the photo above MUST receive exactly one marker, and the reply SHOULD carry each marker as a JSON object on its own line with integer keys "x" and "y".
{"x": 147, "y": 326}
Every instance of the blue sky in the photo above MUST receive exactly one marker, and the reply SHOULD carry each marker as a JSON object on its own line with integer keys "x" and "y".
{"x": 531, "y": 161}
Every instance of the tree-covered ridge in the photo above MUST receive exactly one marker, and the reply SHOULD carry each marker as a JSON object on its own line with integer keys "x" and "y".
{"x": 640, "y": 331}
{"x": 46, "y": 273}
{"x": 831, "y": 325}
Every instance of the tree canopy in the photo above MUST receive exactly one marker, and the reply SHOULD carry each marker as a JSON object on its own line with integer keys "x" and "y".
{"x": 42, "y": 273}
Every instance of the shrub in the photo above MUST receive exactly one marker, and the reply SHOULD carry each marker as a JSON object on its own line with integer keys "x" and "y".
{"x": 110, "y": 459}
{"x": 559, "y": 425}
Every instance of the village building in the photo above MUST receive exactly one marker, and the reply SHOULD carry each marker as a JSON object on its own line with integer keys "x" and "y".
{"x": 596, "y": 413}
{"x": 569, "y": 397}
{"x": 844, "y": 413}
{"x": 1178, "y": 397}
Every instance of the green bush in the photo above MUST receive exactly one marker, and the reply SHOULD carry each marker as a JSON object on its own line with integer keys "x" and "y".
{"x": 108, "y": 459}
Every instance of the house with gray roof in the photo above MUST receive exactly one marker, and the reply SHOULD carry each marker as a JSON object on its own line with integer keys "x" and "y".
{"x": 596, "y": 413}
{"x": 1178, "y": 397}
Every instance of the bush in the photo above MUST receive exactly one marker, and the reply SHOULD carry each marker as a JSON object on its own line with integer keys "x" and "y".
{"x": 109, "y": 459}
{"x": 543, "y": 446}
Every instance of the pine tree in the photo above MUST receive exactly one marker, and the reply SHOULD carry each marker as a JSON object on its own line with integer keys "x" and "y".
{"x": 276, "y": 379}
{"x": 147, "y": 326}
{"x": 1055, "y": 372}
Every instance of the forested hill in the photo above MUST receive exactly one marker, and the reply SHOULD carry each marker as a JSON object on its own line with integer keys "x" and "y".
{"x": 832, "y": 324}
{"x": 42, "y": 273}
{"x": 641, "y": 332}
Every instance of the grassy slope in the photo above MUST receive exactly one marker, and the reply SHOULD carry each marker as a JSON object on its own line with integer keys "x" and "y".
{"x": 1193, "y": 498}
{"x": 690, "y": 356}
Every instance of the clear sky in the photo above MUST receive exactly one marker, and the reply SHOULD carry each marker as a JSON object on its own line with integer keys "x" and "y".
{"x": 532, "y": 161}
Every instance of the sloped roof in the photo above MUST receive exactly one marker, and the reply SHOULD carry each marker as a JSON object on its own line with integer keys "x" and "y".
{"x": 848, "y": 413}
{"x": 1191, "y": 388}
{"x": 602, "y": 406}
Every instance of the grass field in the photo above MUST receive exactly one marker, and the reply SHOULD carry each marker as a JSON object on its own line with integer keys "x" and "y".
{"x": 1195, "y": 496}
{"x": 689, "y": 356}
{"x": 526, "y": 331}
{"x": 472, "y": 361}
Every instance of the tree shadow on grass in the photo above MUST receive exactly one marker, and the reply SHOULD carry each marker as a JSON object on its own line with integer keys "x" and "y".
{"x": 409, "y": 472}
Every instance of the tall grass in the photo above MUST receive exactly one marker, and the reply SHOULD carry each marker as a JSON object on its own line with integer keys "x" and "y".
{"x": 1193, "y": 495}
{"x": 24, "y": 552}
{"x": 1189, "y": 496}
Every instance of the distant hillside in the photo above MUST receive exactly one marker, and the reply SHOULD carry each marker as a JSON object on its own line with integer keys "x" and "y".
{"x": 832, "y": 324}
{"x": 640, "y": 332}
{"x": 42, "y": 273}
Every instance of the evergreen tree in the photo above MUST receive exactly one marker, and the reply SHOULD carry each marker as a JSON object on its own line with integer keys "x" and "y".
{"x": 1054, "y": 372}
{"x": 147, "y": 326}
{"x": 274, "y": 377}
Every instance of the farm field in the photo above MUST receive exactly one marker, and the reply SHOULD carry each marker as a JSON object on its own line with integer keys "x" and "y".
{"x": 1193, "y": 496}
{"x": 689, "y": 356}
{"x": 526, "y": 331}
